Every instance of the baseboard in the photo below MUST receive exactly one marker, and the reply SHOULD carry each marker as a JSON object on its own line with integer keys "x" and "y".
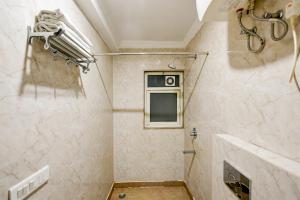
{"x": 110, "y": 191}
{"x": 189, "y": 192}
{"x": 149, "y": 184}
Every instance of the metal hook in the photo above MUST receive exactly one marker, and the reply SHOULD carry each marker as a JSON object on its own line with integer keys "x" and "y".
{"x": 54, "y": 52}
{"x": 46, "y": 45}
{"x": 68, "y": 62}
{"x": 45, "y": 35}
{"x": 251, "y": 33}
{"x": 85, "y": 69}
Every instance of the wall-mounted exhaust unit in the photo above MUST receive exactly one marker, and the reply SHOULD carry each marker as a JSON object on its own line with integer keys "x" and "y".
{"x": 62, "y": 38}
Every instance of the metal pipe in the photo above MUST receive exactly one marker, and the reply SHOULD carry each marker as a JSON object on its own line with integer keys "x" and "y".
{"x": 250, "y": 33}
{"x": 79, "y": 46}
{"x": 189, "y": 152}
{"x": 271, "y": 18}
{"x": 153, "y": 53}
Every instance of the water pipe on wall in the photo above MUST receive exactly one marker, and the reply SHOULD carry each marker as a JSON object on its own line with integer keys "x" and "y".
{"x": 248, "y": 7}
{"x": 293, "y": 13}
{"x": 273, "y": 18}
{"x": 250, "y": 33}
{"x": 242, "y": 9}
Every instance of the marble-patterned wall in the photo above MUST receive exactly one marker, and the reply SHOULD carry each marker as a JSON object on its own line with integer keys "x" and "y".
{"x": 272, "y": 176}
{"x": 142, "y": 154}
{"x": 241, "y": 94}
{"x": 51, "y": 113}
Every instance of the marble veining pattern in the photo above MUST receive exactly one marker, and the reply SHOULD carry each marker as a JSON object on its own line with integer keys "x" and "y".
{"x": 273, "y": 176}
{"x": 50, "y": 113}
{"x": 241, "y": 94}
{"x": 142, "y": 154}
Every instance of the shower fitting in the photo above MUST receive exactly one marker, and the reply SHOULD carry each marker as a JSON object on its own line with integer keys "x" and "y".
{"x": 250, "y": 33}
{"x": 194, "y": 133}
{"x": 273, "y": 18}
{"x": 173, "y": 64}
{"x": 248, "y": 7}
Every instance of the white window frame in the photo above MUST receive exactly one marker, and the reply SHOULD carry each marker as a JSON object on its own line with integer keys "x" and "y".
{"x": 177, "y": 90}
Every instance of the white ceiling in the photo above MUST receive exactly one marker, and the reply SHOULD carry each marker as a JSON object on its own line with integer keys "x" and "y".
{"x": 143, "y": 23}
{"x": 154, "y": 20}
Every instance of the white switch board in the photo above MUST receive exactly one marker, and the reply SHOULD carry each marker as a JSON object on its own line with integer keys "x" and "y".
{"x": 27, "y": 186}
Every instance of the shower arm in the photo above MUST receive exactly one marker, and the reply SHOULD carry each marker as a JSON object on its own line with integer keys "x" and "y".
{"x": 250, "y": 33}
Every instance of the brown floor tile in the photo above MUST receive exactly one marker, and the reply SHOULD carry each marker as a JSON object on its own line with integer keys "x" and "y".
{"x": 152, "y": 193}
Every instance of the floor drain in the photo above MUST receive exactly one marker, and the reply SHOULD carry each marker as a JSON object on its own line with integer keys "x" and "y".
{"x": 122, "y": 196}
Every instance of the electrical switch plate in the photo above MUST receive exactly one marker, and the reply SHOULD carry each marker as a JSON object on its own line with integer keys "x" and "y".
{"x": 27, "y": 186}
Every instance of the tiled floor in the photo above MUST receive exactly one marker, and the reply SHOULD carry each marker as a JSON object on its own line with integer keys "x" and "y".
{"x": 152, "y": 193}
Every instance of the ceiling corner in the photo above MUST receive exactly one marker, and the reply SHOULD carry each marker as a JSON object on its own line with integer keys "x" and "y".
{"x": 196, "y": 26}
{"x": 96, "y": 17}
{"x": 95, "y": 14}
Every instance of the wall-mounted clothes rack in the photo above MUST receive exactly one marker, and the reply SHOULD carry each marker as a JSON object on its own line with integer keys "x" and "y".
{"x": 61, "y": 44}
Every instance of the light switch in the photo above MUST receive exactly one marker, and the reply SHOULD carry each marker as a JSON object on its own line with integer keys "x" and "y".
{"x": 25, "y": 189}
{"x": 31, "y": 185}
{"x": 20, "y": 193}
{"x": 27, "y": 186}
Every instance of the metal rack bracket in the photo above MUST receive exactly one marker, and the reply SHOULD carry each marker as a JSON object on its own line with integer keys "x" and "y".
{"x": 45, "y": 35}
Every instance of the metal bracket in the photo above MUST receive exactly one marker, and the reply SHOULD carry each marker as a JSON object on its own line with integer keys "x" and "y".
{"x": 45, "y": 35}
{"x": 189, "y": 152}
{"x": 278, "y": 15}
